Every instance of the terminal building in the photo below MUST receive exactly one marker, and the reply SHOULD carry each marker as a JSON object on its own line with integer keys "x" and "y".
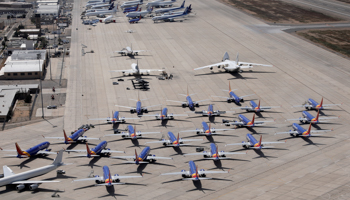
{"x": 24, "y": 64}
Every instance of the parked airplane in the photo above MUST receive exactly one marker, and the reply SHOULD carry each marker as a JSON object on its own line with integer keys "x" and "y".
{"x": 232, "y": 66}
{"x": 189, "y": 10}
{"x": 131, "y": 3}
{"x": 308, "y": 118}
{"x": 139, "y": 109}
{"x": 90, "y": 5}
{"x": 233, "y": 97}
{"x": 214, "y": 153}
{"x": 108, "y": 19}
{"x": 252, "y": 143}
{"x": 127, "y": 51}
{"x": 132, "y": 134}
{"x": 96, "y": 1}
{"x": 164, "y": 115}
{"x": 99, "y": 150}
{"x": 194, "y": 174}
{"x": 110, "y": 6}
{"x": 171, "y": 18}
{"x": 107, "y": 179}
{"x": 136, "y": 20}
{"x": 206, "y": 130}
{"x": 173, "y": 141}
{"x": 160, "y": 3}
{"x": 313, "y": 105}
{"x": 143, "y": 158}
{"x": 102, "y": 9}
{"x": 300, "y": 131}
{"x": 164, "y": 10}
{"x": 135, "y": 70}
{"x": 74, "y": 138}
{"x": 20, "y": 179}
{"x": 41, "y": 148}
{"x": 256, "y": 107}
{"x": 191, "y": 104}
{"x": 131, "y": 9}
{"x": 140, "y": 13}
{"x": 106, "y": 12}
{"x": 114, "y": 119}
{"x": 244, "y": 121}
{"x": 210, "y": 112}
{"x": 90, "y": 22}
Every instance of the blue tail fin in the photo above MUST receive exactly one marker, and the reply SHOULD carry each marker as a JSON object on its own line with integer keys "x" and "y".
{"x": 183, "y": 4}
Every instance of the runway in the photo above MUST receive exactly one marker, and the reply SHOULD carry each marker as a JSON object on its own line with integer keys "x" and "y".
{"x": 300, "y": 169}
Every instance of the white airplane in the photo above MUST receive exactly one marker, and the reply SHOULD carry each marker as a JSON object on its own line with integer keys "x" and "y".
{"x": 131, "y": 4}
{"x": 90, "y": 22}
{"x": 19, "y": 179}
{"x": 132, "y": 133}
{"x": 135, "y": 70}
{"x": 137, "y": 14}
{"x": 128, "y": 51}
{"x": 160, "y": 3}
{"x": 214, "y": 153}
{"x": 172, "y": 17}
{"x": 110, "y": 6}
{"x": 107, "y": 19}
{"x": 206, "y": 130}
{"x": 252, "y": 143}
{"x": 96, "y": 1}
{"x": 164, "y": 10}
{"x": 173, "y": 141}
{"x": 232, "y": 66}
{"x": 106, "y": 12}
{"x": 102, "y": 9}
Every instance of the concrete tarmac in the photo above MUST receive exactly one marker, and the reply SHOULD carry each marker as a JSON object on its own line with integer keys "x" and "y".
{"x": 300, "y": 169}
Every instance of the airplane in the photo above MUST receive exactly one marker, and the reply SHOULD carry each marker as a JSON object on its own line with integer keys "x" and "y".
{"x": 96, "y": 1}
{"x": 104, "y": 9}
{"x": 131, "y": 9}
{"x": 105, "y": 12}
{"x": 140, "y": 13}
{"x": 99, "y": 150}
{"x": 90, "y": 5}
{"x": 206, "y": 130}
{"x": 127, "y": 51}
{"x": 173, "y": 141}
{"x": 131, "y": 3}
{"x": 256, "y": 107}
{"x": 232, "y": 66}
{"x": 233, "y": 97}
{"x": 252, "y": 143}
{"x": 41, "y": 149}
{"x": 107, "y": 19}
{"x": 135, "y": 70}
{"x": 244, "y": 121}
{"x": 77, "y": 136}
{"x": 308, "y": 118}
{"x": 214, "y": 153}
{"x": 191, "y": 104}
{"x": 194, "y": 174}
{"x": 21, "y": 179}
{"x": 110, "y": 6}
{"x": 179, "y": 12}
{"x": 90, "y": 22}
{"x": 106, "y": 179}
{"x": 143, "y": 158}
{"x": 210, "y": 112}
{"x": 171, "y": 18}
{"x": 160, "y": 3}
{"x": 139, "y": 109}
{"x": 164, "y": 115}
{"x": 132, "y": 21}
{"x": 313, "y": 105}
{"x": 300, "y": 131}
{"x": 164, "y": 10}
{"x": 132, "y": 134}
{"x": 114, "y": 119}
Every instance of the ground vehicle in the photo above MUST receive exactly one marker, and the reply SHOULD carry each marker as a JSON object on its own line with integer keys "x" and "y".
{"x": 51, "y": 107}
{"x": 115, "y": 83}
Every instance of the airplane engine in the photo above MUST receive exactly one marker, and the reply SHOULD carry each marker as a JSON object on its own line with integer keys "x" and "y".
{"x": 145, "y": 110}
{"x": 114, "y": 20}
{"x": 131, "y": 111}
{"x": 20, "y": 187}
{"x": 101, "y": 20}
{"x": 213, "y": 130}
{"x": 33, "y": 186}
{"x": 196, "y": 104}
{"x": 183, "y": 105}
{"x": 97, "y": 181}
{"x": 211, "y": 68}
{"x": 116, "y": 180}
{"x": 198, "y": 131}
{"x": 241, "y": 100}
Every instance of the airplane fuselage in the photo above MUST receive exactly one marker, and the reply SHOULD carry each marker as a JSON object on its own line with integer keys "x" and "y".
{"x": 206, "y": 129}
{"x": 143, "y": 155}
{"x": 213, "y": 151}
{"x": 173, "y": 139}
{"x": 233, "y": 97}
{"x": 299, "y": 129}
{"x": 138, "y": 108}
{"x": 253, "y": 142}
{"x": 309, "y": 118}
{"x": 34, "y": 150}
{"x": 189, "y": 103}
{"x": 255, "y": 106}
{"x": 314, "y": 105}
{"x": 75, "y": 136}
{"x": 97, "y": 150}
{"x": 245, "y": 120}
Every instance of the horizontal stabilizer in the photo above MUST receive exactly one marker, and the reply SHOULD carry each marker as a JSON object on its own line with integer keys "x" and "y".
{"x": 107, "y": 184}
{"x": 7, "y": 171}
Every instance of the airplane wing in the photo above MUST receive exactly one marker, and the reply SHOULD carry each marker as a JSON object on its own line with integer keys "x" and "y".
{"x": 262, "y": 122}
{"x": 126, "y": 70}
{"x": 121, "y": 177}
{"x": 176, "y": 173}
{"x": 273, "y": 142}
{"x": 320, "y": 131}
{"x": 130, "y": 157}
{"x": 125, "y": 107}
{"x": 129, "y": 118}
{"x": 242, "y": 143}
{"x": 58, "y": 138}
{"x": 249, "y": 64}
{"x": 213, "y": 65}
{"x": 296, "y": 119}
{"x": 152, "y": 106}
{"x": 221, "y": 97}
{"x": 214, "y": 129}
{"x": 122, "y": 51}
{"x": 155, "y": 115}
{"x": 305, "y": 105}
{"x": 288, "y": 132}
{"x": 191, "y": 131}
{"x": 161, "y": 141}
{"x": 177, "y": 115}
{"x": 202, "y": 100}
{"x": 177, "y": 101}
{"x": 86, "y": 138}
{"x": 111, "y": 151}
{"x": 151, "y": 70}
{"x": 197, "y": 154}
{"x": 155, "y": 157}
{"x": 33, "y": 182}
{"x": 212, "y": 172}
{"x": 119, "y": 134}
{"x": 268, "y": 107}
{"x": 77, "y": 150}
{"x": 328, "y": 118}
{"x": 329, "y": 105}
{"x": 231, "y": 153}
{"x": 89, "y": 179}
{"x": 246, "y": 95}
{"x": 235, "y": 123}
{"x": 100, "y": 119}
{"x": 137, "y": 51}
{"x": 146, "y": 133}
{"x": 106, "y": 184}
{"x": 189, "y": 140}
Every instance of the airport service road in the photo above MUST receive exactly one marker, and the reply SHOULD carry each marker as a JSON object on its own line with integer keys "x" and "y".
{"x": 300, "y": 168}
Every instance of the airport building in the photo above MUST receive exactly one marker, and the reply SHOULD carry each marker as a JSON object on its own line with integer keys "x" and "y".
{"x": 24, "y": 64}
{"x": 51, "y": 10}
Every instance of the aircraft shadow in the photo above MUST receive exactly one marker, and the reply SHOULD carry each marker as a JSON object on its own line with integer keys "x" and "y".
{"x": 176, "y": 180}
{"x": 92, "y": 162}
{"x": 199, "y": 187}
{"x": 12, "y": 187}
{"x": 310, "y": 142}
{"x": 46, "y": 190}
{"x": 30, "y": 159}
{"x": 60, "y": 176}
{"x": 111, "y": 192}
{"x": 261, "y": 154}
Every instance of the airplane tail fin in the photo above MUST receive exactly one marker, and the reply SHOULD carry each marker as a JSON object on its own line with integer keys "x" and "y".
{"x": 253, "y": 119}
{"x": 217, "y": 150}
{"x": 321, "y": 102}
{"x": 209, "y": 127}
{"x": 88, "y": 150}
{"x": 226, "y": 57}
{"x": 7, "y": 171}
{"x": 109, "y": 177}
{"x": 183, "y": 4}
{"x": 318, "y": 114}
{"x": 65, "y": 136}
{"x": 58, "y": 159}
{"x": 259, "y": 144}
{"x": 259, "y": 104}
{"x": 229, "y": 86}
{"x": 197, "y": 172}
{"x": 136, "y": 157}
{"x": 19, "y": 150}
{"x": 178, "y": 138}
{"x": 237, "y": 59}
{"x": 187, "y": 91}
{"x": 309, "y": 130}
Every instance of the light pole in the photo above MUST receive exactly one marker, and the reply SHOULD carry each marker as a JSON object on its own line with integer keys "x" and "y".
{"x": 41, "y": 86}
